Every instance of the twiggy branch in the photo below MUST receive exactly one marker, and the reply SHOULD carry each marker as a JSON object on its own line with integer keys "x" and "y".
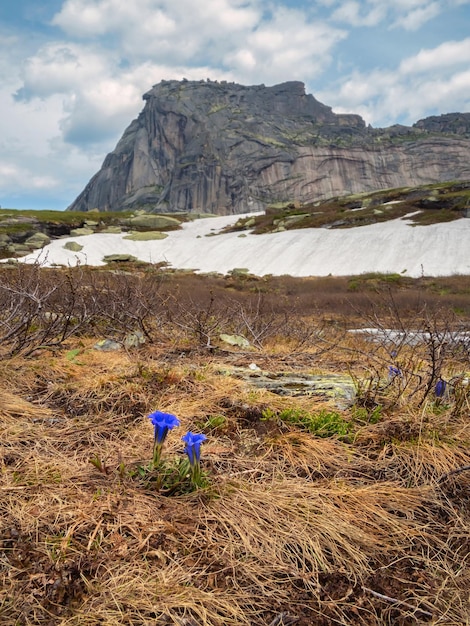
{"x": 381, "y": 596}
{"x": 453, "y": 472}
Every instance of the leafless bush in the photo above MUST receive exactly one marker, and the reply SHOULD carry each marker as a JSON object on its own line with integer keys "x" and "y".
{"x": 412, "y": 356}
{"x": 42, "y": 308}
{"x": 202, "y": 319}
{"x": 124, "y": 302}
{"x": 38, "y": 309}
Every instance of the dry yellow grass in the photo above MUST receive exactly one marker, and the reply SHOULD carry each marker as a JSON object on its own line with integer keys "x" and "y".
{"x": 372, "y": 528}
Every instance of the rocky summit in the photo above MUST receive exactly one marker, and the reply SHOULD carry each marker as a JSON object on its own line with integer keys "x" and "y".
{"x": 223, "y": 148}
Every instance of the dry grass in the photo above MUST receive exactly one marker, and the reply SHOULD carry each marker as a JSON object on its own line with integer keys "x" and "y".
{"x": 371, "y": 529}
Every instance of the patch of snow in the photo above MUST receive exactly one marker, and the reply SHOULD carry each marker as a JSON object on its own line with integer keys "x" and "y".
{"x": 410, "y": 337}
{"x": 393, "y": 246}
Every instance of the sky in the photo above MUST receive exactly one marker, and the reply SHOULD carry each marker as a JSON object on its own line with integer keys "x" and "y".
{"x": 73, "y": 72}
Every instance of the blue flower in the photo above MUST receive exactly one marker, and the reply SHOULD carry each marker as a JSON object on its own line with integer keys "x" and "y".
{"x": 193, "y": 446}
{"x": 162, "y": 423}
{"x": 440, "y": 388}
{"x": 393, "y": 372}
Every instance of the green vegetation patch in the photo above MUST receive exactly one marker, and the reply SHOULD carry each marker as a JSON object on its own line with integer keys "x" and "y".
{"x": 429, "y": 204}
{"x": 321, "y": 424}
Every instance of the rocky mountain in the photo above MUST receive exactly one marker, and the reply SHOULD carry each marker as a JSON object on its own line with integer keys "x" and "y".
{"x": 223, "y": 148}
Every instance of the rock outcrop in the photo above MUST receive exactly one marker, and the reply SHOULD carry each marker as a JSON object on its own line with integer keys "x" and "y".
{"x": 224, "y": 148}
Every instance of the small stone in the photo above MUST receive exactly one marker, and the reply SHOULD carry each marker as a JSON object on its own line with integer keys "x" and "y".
{"x": 235, "y": 340}
{"x": 134, "y": 340}
{"x": 107, "y": 345}
{"x": 112, "y": 230}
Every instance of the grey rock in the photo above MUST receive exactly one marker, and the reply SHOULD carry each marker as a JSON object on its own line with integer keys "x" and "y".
{"x": 339, "y": 388}
{"x": 134, "y": 340}
{"x": 239, "y": 271}
{"x": 18, "y": 249}
{"x": 112, "y": 230}
{"x": 80, "y": 232}
{"x": 153, "y": 222}
{"x": 73, "y": 246}
{"x": 119, "y": 258}
{"x": 203, "y": 146}
{"x": 150, "y": 235}
{"x": 107, "y": 345}
{"x": 37, "y": 241}
{"x": 235, "y": 340}
{"x": 289, "y": 220}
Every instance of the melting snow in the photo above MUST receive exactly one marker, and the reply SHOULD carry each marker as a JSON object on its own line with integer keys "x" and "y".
{"x": 393, "y": 246}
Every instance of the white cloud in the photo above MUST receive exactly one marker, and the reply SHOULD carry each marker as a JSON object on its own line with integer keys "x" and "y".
{"x": 101, "y": 94}
{"x": 407, "y": 14}
{"x": 432, "y": 80}
{"x": 181, "y": 29}
{"x": 446, "y": 55}
{"x": 357, "y": 14}
{"x": 285, "y": 48}
{"x": 419, "y": 16}
{"x": 60, "y": 67}
{"x": 13, "y": 178}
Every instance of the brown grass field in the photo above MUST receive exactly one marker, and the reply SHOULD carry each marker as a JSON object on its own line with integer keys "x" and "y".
{"x": 366, "y": 522}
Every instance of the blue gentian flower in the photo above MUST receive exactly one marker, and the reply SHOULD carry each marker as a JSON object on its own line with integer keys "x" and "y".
{"x": 440, "y": 388}
{"x": 193, "y": 446}
{"x": 162, "y": 424}
{"x": 393, "y": 372}
{"x": 193, "y": 450}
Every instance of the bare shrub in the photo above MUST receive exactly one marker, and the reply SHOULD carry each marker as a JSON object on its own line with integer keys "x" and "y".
{"x": 41, "y": 308}
{"x": 412, "y": 356}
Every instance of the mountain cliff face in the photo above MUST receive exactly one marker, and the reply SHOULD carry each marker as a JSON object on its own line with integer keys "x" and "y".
{"x": 224, "y": 148}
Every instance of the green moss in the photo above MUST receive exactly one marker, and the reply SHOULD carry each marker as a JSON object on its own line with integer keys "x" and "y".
{"x": 71, "y": 218}
{"x": 439, "y": 216}
{"x": 22, "y": 227}
{"x": 321, "y": 424}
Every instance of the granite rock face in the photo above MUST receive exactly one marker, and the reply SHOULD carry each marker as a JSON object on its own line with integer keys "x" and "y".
{"x": 223, "y": 148}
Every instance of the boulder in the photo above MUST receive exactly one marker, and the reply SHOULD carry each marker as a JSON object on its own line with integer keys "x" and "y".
{"x": 340, "y": 388}
{"x": 73, "y": 246}
{"x": 119, "y": 258}
{"x": 37, "y": 241}
{"x": 153, "y": 222}
{"x": 80, "y": 232}
{"x": 107, "y": 345}
{"x": 235, "y": 340}
{"x": 112, "y": 230}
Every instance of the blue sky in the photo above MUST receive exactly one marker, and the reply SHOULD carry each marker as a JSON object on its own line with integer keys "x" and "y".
{"x": 72, "y": 72}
